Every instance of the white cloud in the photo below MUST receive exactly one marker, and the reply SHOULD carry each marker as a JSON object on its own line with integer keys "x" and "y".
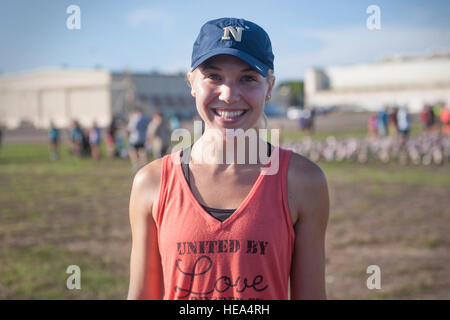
{"x": 358, "y": 45}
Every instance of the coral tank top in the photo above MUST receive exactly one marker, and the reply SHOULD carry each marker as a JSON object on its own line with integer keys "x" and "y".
{"x": 247, "y": 256}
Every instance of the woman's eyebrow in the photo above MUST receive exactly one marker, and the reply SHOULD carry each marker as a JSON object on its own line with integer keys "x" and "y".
{"x": 248, "y": 69}
{"x": 206, "y": 67}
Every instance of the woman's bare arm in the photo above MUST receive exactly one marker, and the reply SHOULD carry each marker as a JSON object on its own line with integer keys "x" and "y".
{"x": 310, "y": 190}
{"x": 146, "y": 280}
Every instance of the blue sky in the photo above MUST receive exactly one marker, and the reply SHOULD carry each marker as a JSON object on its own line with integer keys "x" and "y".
{"x": 158, "y": 35}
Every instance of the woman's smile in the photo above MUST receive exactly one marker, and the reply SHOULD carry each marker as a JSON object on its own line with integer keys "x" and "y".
{"x": 227, "y": 115}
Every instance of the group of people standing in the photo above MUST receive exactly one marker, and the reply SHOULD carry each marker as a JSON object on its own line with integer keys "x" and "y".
{"x": 390, "y": 121}
{"x": 144, "y": 135}
{"x": 83, "y": 142}
{"x": 435, "y": 118}
{"x": 395, "y": 121}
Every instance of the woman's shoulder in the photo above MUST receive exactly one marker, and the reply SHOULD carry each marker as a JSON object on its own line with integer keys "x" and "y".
{"x": 303, "y": 169}
{"x": 150, "y": 171}
{"x": 146, "y": 183}
{"x": 306, "y": 184}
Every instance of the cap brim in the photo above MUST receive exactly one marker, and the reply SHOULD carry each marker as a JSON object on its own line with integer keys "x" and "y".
{"x": 256, "y": 64}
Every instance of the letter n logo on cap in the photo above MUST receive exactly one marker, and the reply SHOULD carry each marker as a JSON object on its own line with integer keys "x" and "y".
{"x": 236, "y": 33}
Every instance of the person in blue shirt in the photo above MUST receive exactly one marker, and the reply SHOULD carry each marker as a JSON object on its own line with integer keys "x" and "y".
{"x": 53, "y": 135}
{"x": 382, "y": 123}
{"x": 137, "y": 129}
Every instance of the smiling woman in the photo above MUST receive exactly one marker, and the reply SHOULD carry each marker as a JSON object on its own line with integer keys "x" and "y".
{"x": 183, "y": 211}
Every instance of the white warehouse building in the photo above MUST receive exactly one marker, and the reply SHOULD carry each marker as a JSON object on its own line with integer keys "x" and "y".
{"x": 64, "y": 95}
{"x": 401, "y": 81}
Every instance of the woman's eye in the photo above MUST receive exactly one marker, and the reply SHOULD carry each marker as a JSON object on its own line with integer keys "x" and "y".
{"x": 248, "y": 78}
{"x": 213, "y": 76}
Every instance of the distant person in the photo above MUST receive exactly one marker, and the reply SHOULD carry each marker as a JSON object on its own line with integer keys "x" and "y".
{"x": 1, "y": 136}
{"x": 437, "y": 111}
{"x": 111, "y": 138}
{"x": 53, "y": 135}
{"x": 372, "y": 125}
{"x": 305, "y": 115}
{"x": 137, "y": 128}
{"x": 85, "y": 146}
{"x": 445, "y": 120}
{"x": 437, "y": 108}
{"x": 403, "y": 123}
{"x": 94, "y": 141}
{"x": 431, "y": 119}
{"x": 121, "y": 138}
{"x": 76, "y": 137}
{"x": 174, "y": 122}
{"x": 158, "y": 135}
{"x": 424, "y": 118}
{"x": 311, "y": 122}
{"x": 392, "y": 122}
{"x": 382, "y": 123}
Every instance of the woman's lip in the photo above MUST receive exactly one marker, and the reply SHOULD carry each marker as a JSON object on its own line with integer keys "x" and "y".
{"x": 224, "y": 120}
{"x": 228, "y": 109}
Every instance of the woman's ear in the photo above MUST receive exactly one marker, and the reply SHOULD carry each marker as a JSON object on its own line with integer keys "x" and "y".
{"x": 190, "y": 79}
{"x": 271, "y": 82}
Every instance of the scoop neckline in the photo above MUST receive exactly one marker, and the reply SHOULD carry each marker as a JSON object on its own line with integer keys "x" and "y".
{"x": 208, "y": 217}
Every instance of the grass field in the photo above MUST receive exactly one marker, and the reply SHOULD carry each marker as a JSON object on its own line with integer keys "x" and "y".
{"x": 75, "y": 212}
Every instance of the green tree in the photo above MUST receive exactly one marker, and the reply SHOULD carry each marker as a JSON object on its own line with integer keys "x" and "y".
{"x": 295, "y": 92}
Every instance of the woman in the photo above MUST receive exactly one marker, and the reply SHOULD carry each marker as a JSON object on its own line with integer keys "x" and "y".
{"x": 76, "y": 135}
{"x": 94, "y": 141}
{"x": 158, "y": 135}
{"x": 111, "y": 138}
{"x": 372, "y": 126}
{"x": 205, "y": 230}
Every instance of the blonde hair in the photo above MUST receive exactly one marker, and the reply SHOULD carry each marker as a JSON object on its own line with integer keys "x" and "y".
{"x": 263, "y": 122}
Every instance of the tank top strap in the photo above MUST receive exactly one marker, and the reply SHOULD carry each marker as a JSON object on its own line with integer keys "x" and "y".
{"x": 284, "y": 167}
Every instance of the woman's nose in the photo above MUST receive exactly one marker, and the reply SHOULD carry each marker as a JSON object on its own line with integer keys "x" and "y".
{"x": 229, "y": 93}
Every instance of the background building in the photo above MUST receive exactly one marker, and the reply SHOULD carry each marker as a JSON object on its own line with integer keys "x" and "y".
{"x": 64, "y": 95}
{"x": 411, "y": 81}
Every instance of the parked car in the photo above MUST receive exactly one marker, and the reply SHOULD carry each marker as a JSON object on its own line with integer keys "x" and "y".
{"x": 274, "y": 110}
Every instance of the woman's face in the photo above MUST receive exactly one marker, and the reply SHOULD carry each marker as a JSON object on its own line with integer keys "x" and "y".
{"x": 229, "y": 94}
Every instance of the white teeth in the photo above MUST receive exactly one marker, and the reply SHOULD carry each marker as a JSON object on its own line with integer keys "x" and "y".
{"x": 229, "y": 114}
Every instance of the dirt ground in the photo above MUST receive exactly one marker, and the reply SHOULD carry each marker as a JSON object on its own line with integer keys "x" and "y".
{"x": 402, "y": 229}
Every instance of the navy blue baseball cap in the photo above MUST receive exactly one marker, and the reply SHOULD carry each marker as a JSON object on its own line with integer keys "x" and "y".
{"x": 237, "y": 37}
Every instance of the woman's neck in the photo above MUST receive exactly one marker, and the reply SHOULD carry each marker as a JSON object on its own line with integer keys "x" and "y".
{"x": 239, "y": 147}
